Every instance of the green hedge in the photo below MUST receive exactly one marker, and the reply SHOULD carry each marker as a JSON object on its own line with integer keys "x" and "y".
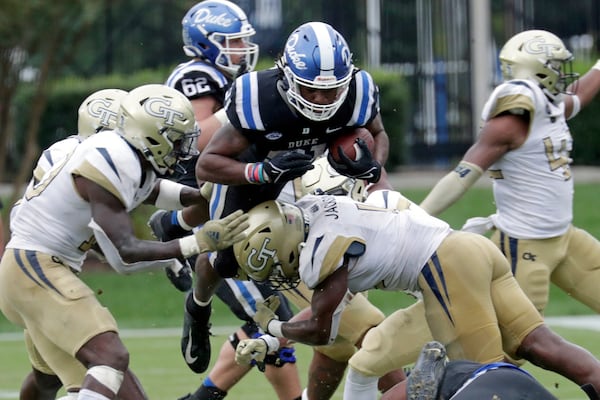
{"x": 65, "y": 96}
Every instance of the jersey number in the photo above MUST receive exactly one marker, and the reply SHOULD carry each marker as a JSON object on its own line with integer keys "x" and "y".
{"x": 193, "y": 87}
{"x": 560, "y": 160}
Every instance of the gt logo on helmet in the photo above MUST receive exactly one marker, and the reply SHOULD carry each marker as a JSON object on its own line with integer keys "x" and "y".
{"x": 262, "y": 258}
{"x": 204, "y": 15}
{"x": 539, "y": 46}
{"x": 100, "y": 109}
{"x": 158, "y": 107}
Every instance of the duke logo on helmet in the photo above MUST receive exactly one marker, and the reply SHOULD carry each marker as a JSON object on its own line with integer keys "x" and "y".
{"x": 295, "y": 57}
{"x": 205, "y": 15}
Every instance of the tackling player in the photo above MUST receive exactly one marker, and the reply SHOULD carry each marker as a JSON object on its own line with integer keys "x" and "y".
{"x": 83, "y": 201}
{"x": 338, "y": 247}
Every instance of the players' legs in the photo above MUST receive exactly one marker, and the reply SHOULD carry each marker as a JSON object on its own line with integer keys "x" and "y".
{"x": 532, "y": 262}
{"x": 548, "y": 350}
{"x": 85, "y": 328}
{"x": 455, "y": 283}
{"x": 579, "y": 272}
{"x": 39, "y": 386}
{"x": 42, "y": 382}
{"x": 526, "y": 336}
{"x": 195, "y": 339}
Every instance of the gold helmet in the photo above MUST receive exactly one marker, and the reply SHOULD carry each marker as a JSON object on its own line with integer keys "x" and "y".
{"x": 324, "y": 179}
{"x": 541, "y": 56}
{"x": 159, "y": 121}
{"x": 99, "y": 111}
{"x": 271, "y": 250}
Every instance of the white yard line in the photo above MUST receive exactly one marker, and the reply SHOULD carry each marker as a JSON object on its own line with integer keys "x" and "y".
{"x": 590, "y": 322}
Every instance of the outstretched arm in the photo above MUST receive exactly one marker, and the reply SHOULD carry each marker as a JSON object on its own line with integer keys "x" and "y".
{"x": 499, "y": 135}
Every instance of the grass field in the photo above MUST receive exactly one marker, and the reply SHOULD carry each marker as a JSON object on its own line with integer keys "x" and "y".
{"x": 146, "y": 300}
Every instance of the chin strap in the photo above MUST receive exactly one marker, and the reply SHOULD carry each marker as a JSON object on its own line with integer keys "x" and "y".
{"x": 590, "y": 390}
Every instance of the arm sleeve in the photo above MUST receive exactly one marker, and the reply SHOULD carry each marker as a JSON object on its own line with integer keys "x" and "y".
{"x": 451, "y": 187}
{"x": 114, "y": 259}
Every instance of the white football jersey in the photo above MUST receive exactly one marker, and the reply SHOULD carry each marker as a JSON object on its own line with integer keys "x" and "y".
{"x": 53, "y": 154}
{"x": 397, "y": 244}
{"x": 533, "y": 187}
{"x": 53, "y": 218}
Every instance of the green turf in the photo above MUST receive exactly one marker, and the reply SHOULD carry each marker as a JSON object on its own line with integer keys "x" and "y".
{"x": 147, "y": 300}
{"x": 158, "y": 364}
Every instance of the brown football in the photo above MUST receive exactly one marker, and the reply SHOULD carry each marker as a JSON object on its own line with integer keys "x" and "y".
{"x": 347, "y": 141}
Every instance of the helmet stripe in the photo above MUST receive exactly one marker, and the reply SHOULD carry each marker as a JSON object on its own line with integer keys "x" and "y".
{"x": 325, "y": 48}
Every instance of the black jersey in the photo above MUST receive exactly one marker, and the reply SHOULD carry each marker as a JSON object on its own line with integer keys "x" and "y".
{"x": 257, "y": 106}
{"x": 198, "y": 78}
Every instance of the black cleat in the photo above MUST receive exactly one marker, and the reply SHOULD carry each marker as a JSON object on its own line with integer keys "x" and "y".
{"x": 182, "y": 278}
{"x": 426, "y": 376}
{"x": 162, "y": 228}
{"x": 195, "y": 340}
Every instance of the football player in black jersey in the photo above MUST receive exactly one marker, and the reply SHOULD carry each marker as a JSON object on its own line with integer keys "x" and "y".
{"x": 280, "y": 120}
{"x": 217, "y": 36}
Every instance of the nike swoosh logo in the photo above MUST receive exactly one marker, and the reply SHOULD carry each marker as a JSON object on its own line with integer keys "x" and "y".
{"x": 188, "y": 350}
{"x": 331, "y": 130}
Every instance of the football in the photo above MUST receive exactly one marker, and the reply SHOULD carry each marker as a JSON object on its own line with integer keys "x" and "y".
{"x": 347, "y": 141}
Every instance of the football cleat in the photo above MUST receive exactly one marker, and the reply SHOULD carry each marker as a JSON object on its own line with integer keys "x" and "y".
{"x": 163, "y": 230}
{"x": 195, "y": 340}
{"x": 180, "y": 275}
{"x": 425, "y": 377}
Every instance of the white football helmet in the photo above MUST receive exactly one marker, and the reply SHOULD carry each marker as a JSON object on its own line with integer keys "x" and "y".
{"x": 540, "y": 56}
{"x": 99, "y": 111}
{"x": 324, "y": 179}
{"x": 159, "y": 121}
{"x": 271, "y": 250}
{"x": 316, "y": 56}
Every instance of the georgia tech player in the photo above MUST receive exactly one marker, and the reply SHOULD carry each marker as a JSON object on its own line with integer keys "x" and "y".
{"x": 97, "y": 112}
{"x": 338, "y": 247}
{"x": 86, "y": 199}
{"x": 525, "y": 143}
{"x": 280, "y": 119}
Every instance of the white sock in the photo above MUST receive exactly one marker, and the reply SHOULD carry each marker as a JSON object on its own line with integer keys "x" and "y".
{"x": 86, "y": 394}
{"x": 69, "y": 396}
{"x": 201, "y": 303}
{"x": 359, "y": 386}
{"x": 182, "y": 222}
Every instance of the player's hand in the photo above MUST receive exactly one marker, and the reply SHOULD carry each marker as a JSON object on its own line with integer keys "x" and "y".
{"x": 219, "y": 234}
{"x": 265, "y": 311}
{"x": 251, "y": 349}
{"x": 286, "y": 166}
{"x": 366, "y": 167}
{"x": 257, "y": 349}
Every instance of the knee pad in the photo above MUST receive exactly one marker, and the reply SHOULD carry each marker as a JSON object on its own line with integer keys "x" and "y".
{"x": 107, "y": 376}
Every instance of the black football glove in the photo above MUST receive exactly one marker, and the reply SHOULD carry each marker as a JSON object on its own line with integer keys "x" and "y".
{"x": 365, "y": 168}
{"x": 287, "y": 166}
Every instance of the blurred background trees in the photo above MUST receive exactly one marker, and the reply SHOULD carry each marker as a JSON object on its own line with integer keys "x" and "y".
{"x": 53, "y": 54}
